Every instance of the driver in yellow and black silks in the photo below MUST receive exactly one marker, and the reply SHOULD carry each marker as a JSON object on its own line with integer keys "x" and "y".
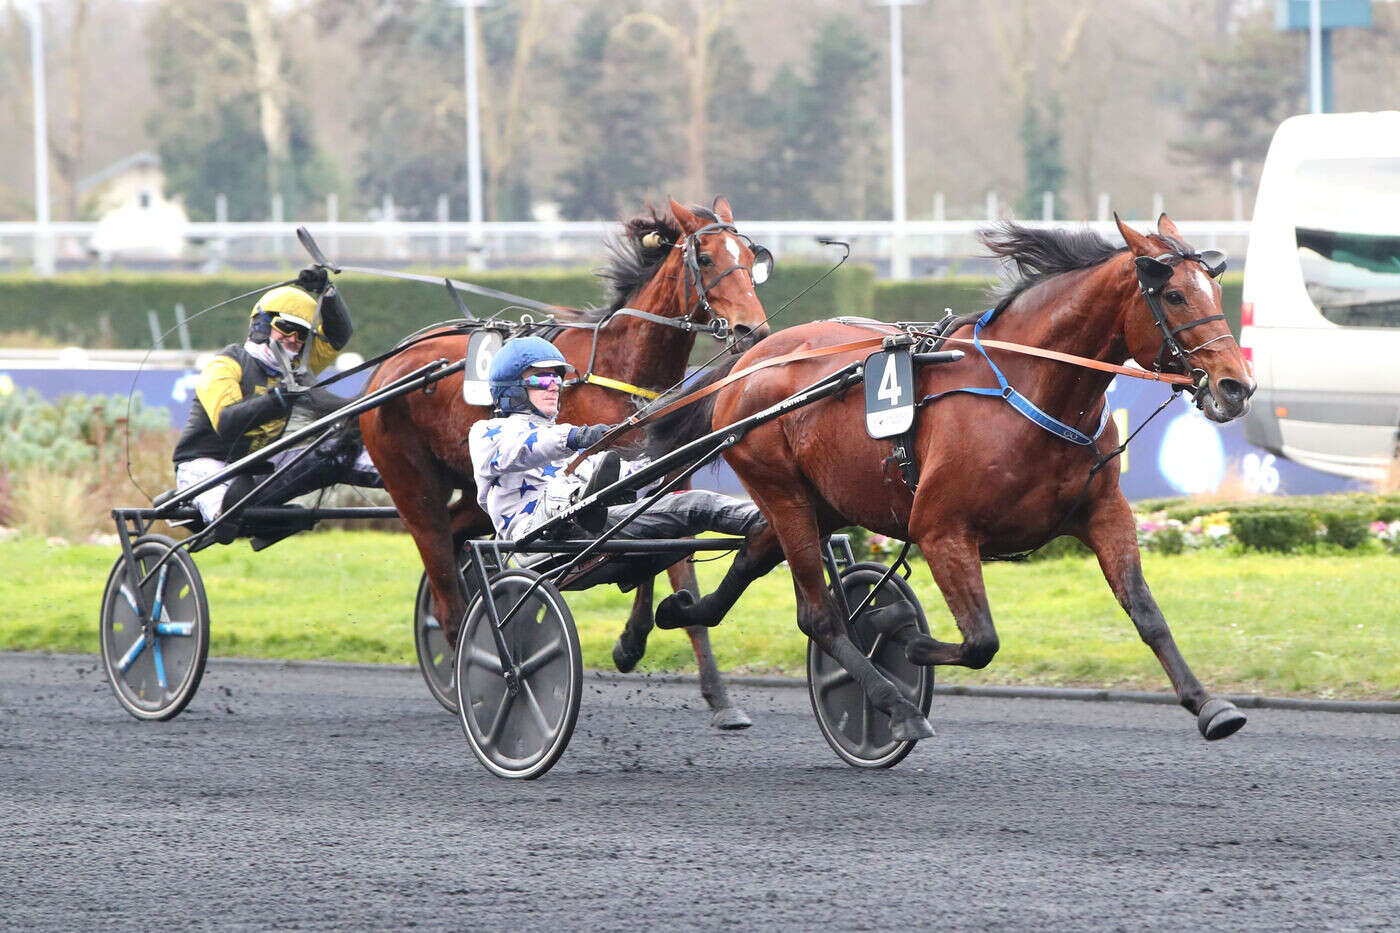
{"x": 246, "y": 395}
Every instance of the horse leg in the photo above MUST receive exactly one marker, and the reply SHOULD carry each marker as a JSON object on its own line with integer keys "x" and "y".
{"x": 760, "y": 553}
{"x": 820, "y": 618}
{"x": 957, "y": 569}
{"x": 631, "y": 645}
{"x": 712, "y": 686}
{"x": 420, "y": 495}
{"x": 1112, "y": 535}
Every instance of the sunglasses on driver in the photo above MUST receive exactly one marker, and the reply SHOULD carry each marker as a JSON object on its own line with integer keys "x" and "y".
{"x": 542, "y": 381}
{"x": 289, "y": 329}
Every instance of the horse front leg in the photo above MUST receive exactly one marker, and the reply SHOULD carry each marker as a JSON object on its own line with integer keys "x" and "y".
{"x": 1112, "y": 534}
{"x": 956, "y": 564}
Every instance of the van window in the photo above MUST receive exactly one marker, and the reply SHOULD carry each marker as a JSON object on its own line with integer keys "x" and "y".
{"x": 1348, "y": 233}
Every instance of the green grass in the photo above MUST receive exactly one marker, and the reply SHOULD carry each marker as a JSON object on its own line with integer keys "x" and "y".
{"x": 1314, "y": 625}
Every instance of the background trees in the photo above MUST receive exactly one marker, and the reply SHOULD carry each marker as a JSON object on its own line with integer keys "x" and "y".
{"x": 591, "y": 107}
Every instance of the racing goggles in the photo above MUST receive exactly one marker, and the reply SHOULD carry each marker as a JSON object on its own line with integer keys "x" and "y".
{"x": 542, "y": 380}
{"x": 289, "y": 328}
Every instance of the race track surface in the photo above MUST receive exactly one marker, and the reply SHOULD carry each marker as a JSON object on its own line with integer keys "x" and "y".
{"x": 335, "y": 797}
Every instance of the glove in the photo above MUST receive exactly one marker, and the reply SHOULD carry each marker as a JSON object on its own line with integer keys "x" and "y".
{"x": 313, "y": 279}
{"x": 287, "y": 395}
{"x": 585, "y": 436}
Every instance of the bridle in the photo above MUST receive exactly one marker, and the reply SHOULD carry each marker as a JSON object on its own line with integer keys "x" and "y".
{"x": 695, "y": 279}
{"x": 1153, "y": 274}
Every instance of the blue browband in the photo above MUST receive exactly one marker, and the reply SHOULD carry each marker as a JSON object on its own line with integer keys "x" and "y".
{"x": 1018, "y": 401}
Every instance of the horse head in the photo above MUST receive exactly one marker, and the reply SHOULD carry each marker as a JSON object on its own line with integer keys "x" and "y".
{"x": 718, "y": 271}
{"x": 1178, "y": 324}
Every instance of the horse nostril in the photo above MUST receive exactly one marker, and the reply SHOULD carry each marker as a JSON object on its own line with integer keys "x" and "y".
{"x": 742, "y": 331}
{"x": 1232, "y": 390}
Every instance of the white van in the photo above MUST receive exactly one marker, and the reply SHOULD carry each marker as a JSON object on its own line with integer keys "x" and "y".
{"x": 1321, "y": 311}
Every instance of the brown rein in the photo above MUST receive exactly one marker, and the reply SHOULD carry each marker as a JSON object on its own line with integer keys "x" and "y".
{"x": 640, "y": 418}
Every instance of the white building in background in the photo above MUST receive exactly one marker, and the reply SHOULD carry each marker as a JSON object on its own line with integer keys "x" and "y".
{"x": 135, "y": 219}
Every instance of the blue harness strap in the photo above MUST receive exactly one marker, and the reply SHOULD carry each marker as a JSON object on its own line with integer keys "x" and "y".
{"x": 1018, "y": 401}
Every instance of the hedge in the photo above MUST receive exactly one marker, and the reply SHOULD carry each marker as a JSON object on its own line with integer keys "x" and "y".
{"x": 102, "y": 310}
{"x": 111, "y": 310}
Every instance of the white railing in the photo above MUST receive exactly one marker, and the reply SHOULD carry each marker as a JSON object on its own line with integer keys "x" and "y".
{"x": 929, "y": 247}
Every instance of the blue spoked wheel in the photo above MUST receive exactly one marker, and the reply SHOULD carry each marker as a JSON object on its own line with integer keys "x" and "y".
{"x": 155, "y": 663}
{"x": 435, "y": 658}
{"x": 857, "y": 731}
{"x": 520, "y": 733}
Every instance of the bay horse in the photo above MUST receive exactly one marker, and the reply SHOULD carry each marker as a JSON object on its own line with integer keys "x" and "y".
{"x": 990, "y": 482}
{"x": 677, "y": 267}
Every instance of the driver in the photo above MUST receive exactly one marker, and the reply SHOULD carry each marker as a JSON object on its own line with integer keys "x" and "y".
{"x": 519, "y": 456}
{"x": 246, "y": 395}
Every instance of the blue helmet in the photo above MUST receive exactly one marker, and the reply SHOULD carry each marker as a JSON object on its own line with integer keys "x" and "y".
{"x": 508, "y": 367}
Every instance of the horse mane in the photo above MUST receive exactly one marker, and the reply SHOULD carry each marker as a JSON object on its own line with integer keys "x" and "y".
{"x": 632, "y": 265}
{"x": 1040, "y": 253}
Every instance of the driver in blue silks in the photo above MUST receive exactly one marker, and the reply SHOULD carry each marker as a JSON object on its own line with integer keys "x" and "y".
{"x": 519, "y": 456}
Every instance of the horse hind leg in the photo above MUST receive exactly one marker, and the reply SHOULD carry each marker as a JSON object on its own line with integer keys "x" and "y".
{"x": 726, "y": 714}
{"x": 820, "y": 619}
{"x": 631, "y": 645}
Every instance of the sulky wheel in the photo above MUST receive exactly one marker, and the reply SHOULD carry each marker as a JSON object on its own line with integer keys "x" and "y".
{"x": 857, "y": 731}
{"x": 520, "y": 734}
{"x": 155, "y": 664}
{"x": 435, "y": 658}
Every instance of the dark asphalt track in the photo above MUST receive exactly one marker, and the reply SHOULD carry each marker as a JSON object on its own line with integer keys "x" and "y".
{"x": 330, "y": 796}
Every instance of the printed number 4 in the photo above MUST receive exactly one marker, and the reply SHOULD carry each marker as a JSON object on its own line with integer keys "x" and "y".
{"x": 889, "y": 383}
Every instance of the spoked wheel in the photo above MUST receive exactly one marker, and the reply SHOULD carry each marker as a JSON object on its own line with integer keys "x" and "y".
{"x": 435, "y": 657}
{"x": 155, "y": 665}
{"x": 855, "y": 729}
{"x": 520, "y": 734}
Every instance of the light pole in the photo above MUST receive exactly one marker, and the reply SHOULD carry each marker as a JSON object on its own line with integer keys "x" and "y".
{"x": 473, "y": 118}
{"x": 899, "y": 259}
{"x": 43, "y": 241}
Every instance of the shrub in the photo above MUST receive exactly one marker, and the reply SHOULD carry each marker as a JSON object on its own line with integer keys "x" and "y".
{"x": 1274, "y": 530}
{"x": 1347, "y": 529}
{"x": 1170, "y": 540}
{"x": 64, "y": 463}
{"x": 1063, "y": 546}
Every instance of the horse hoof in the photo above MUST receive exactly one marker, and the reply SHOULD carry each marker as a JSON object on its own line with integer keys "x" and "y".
{"x": 731, "y": 717}
{"x": 1219, "y": 719}
{"x": 921, "y": 650}
{"x": 912, "y": 729}
{"x": 673, "y": 611}
{"x": 626, "y": 658}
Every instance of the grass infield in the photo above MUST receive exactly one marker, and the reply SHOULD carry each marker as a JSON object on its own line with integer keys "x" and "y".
{"x": 1321, "y": 626}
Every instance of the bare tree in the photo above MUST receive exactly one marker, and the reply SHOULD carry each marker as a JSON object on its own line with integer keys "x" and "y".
{"x": 692, "y": 47}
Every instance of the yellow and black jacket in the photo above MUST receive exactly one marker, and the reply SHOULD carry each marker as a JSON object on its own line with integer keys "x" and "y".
{"x": 235, "y": 411}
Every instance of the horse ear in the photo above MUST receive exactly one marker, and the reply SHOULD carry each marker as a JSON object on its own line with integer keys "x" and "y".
{"x": 722, "y": 210}
{"x": 1165, "y": 227}
{"x": 1138, "y": 243}
{"x": 688, "y": 221}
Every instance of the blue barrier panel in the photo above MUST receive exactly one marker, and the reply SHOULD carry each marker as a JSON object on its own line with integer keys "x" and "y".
{"x": 1180, "y": 453}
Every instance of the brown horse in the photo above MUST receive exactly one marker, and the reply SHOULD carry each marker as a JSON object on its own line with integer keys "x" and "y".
{"x": 990, "y": 482}
{"x": 678, "y": 267}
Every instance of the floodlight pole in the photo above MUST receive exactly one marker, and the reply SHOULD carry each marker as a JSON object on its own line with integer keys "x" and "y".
{"x": 43, "y": 238}
{"x": 899, "y": 258}
{"x": 473, "y": 119}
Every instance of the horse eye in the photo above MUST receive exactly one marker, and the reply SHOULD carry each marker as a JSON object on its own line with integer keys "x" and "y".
{"x": 1175, "y": 298}
{"x": 705, "y": 260}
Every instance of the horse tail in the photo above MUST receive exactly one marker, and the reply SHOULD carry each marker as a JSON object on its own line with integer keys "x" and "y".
{"x": 688, "y": 422}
